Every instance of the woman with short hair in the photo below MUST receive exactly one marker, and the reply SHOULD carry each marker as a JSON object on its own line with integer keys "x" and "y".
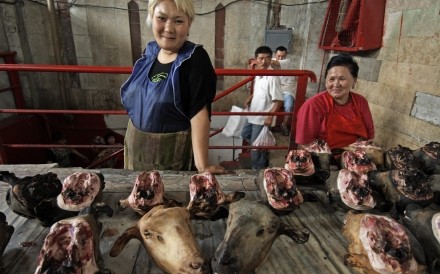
{"x": 168, "y": 96}
{"x": 338, "y": 115}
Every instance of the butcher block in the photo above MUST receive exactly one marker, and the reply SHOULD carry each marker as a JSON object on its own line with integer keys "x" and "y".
{"x": 322, "y": 253}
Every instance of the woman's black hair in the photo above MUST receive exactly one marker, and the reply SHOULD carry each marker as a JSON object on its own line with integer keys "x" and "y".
{"x": 345, "y": 60}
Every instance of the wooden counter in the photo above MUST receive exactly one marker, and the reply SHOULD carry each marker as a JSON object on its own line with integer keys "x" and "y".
{"x": 323, "y": 253}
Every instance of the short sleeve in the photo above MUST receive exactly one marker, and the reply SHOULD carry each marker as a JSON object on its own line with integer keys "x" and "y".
{"x": 275, "y": 89}
{"x": 198, "y": 82}
{"x": 308, "y": 122}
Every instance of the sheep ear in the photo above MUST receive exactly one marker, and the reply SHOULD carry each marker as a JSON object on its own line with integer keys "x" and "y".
{"x": 121, "y": 242}
{"x": 296, "y": 235}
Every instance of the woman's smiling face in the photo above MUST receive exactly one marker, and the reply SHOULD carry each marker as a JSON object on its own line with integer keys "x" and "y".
{"x": 170, "y": 26}
{"x": 339, "y": 82}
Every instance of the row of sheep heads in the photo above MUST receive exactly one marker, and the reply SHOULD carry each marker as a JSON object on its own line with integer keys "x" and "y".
{"x": 165, "y": 229}
{"x": 167, "y": 234}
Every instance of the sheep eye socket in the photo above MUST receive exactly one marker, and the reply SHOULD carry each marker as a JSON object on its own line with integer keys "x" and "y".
{"x": 160, "y": 239}
{"x": 148, "y": 234}
{"x": 260, "y": 232}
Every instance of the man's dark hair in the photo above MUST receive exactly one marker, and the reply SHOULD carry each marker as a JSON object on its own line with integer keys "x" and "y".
{"x": 281, "y": 48}
{"x": 263, "y": 49}
{"x": 344, "y": 60}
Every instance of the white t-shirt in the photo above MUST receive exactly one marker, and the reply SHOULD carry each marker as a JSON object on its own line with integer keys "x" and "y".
{"x": 266, "y": 90}
{"x": 287, "y": 82}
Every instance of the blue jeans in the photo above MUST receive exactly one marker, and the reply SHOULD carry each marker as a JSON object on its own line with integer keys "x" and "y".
{"x": 258, "y": 157}
{"x": 288, "y": 102}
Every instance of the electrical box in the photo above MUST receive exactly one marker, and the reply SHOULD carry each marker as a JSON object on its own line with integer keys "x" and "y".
{"x": 353, "y": 25}
{"x": 278, "y": 37}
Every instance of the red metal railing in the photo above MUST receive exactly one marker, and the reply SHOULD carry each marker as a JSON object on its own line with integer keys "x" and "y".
{"x": 9, "y": 58}
{"x": 302, "y": 75}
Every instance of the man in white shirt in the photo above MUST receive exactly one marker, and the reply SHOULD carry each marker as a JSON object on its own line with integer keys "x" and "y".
{"x": 267, "y": 96}
{"x": 287, "y": 85}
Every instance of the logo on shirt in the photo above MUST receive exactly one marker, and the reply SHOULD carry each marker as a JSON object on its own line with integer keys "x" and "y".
{"x": 159, "y": 77}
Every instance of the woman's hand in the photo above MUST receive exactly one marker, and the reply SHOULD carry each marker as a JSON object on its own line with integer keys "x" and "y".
{"x": 213, "y": 170}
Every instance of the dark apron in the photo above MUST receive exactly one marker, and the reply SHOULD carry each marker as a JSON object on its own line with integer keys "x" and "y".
{"x": 157, "y": 151}
{"x": 158, "y": 133}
